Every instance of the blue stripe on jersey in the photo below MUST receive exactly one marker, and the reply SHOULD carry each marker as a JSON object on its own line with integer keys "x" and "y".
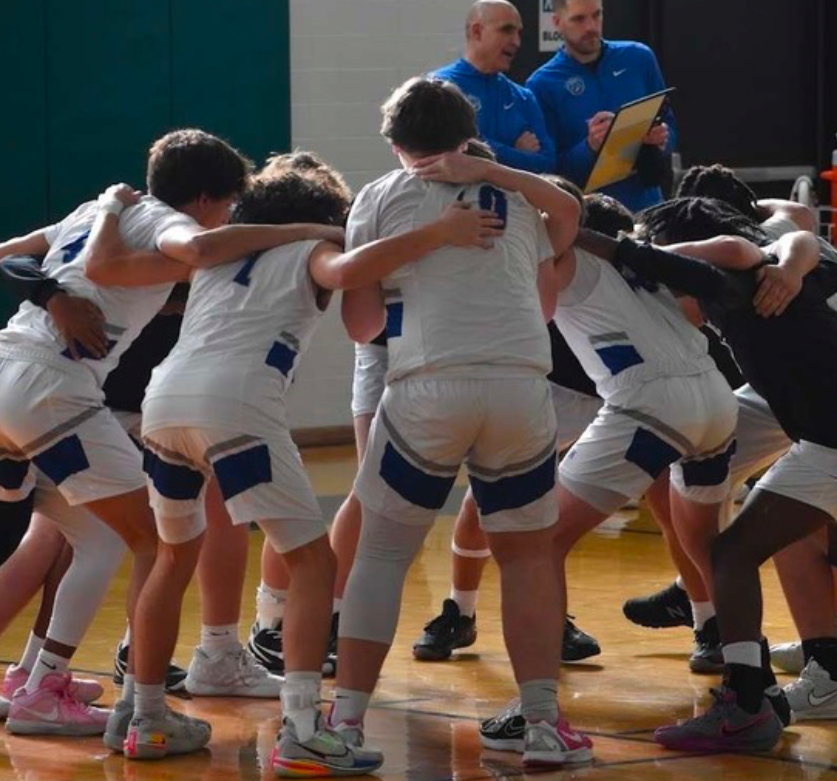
{"x": 410, "y": 483}
{"x": 64, "y": 459}
{"x": 172, "y": 481}
{"x": 73, "y": 249}
{"x": 650, "y": 453}
{"x": 395, "y": 319}
{"x": 709, "y": 471}
{"x": 619, "y": 357}
{"x": 12, "y": 473}
{"x": 85, "y": 353}
{"x": 512, "y": 493}
{"x": 281, "y": 357}
{"x": 244, "y": 470}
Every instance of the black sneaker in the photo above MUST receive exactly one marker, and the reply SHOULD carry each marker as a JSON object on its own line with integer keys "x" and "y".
{"x": 330, "y": 662}
{"x": 505, "y": 731}
{"x": 667, "y": 608}
{"x": 708, "y": 656}
{"x": 577, "y": 644}
{"x": 444, "y": 633}
{"x": 779, "y": 702}
{"x": 175, "y": 676}
{"x": 265, "y": 646}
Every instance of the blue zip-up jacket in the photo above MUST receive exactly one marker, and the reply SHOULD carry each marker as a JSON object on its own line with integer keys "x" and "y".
{"x": 505, "y": 110}
{"x": 570, "y": 93}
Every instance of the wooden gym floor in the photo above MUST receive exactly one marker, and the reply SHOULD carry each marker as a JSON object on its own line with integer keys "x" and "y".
{"x": 424, "y": 716}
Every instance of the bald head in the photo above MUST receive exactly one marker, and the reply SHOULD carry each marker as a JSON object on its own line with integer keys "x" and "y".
{"x": 492, "y": 33}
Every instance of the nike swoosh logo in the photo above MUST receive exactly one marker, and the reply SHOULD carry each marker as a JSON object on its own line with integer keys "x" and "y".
{"x": 620, "y": 72}
{"x": 51, "y": 716}
{"x": 511, "y": 105}
{"x": 817, "y": 701}
{"x": 50, "y": 666}
{"x": 727, "y": 730}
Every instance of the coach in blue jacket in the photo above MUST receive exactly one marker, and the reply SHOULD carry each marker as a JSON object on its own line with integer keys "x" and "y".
{"x": 508, "y": 115}
{"x": 581, "y": 88}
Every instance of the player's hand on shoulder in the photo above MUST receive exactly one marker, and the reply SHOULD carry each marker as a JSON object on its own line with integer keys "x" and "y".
{"x": 778, "y": 287}
{"x": 462, "y": 225}
{"x": 123, "y": 193}
{"x": 333, "y": 233}
{"x": 451, "y": 167}
{"x": 80, "y": 323}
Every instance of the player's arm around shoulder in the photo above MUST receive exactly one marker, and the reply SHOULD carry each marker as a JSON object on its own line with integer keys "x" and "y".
{"x": 111, "y": 263}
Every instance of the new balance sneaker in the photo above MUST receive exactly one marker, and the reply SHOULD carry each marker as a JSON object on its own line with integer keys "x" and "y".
{"x": 81, "y": 689}
{"x": 326, "y": 753}
{"x": 172, "y": 734}
{"x": 265, "y": 646}
{"x": 116, "y": 729}
{"x": 505, "y": 731}
{"x": 788, "y": 657}
{"x": 814, "y": 695}
{"x": 666, "y": 608}
{"x": 233, "y": 673}
{"x": 175, "y": 676}
{"x": 445, "y": 633}
{"x": 577, "y": 644}
{"x": 724, "y": 727}
{"x": 51, "y": 710}
{"x": 708, "y": 656}
{"x": 546, "y": 745}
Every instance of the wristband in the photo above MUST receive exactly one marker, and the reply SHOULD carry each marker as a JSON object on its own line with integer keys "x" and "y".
{"x": 46, "y": 290}
{"x": 111, "y": 204}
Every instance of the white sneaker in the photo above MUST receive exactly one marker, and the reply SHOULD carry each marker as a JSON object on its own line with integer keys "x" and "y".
{"x": 788, "y": 657}
{"x": 233, "y": 673}
{"x": 172, "y": 734}
{"x": 814, "y": 695}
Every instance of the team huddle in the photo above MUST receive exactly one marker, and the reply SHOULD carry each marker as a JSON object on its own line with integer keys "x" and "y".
{"x": 450, "y": 267}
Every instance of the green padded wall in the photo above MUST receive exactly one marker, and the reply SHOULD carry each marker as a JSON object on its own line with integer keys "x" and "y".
{"x": 88, "y": 84}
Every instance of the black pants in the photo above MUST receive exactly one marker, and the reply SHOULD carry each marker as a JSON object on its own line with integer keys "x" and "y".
{"x": 14, "y": 521}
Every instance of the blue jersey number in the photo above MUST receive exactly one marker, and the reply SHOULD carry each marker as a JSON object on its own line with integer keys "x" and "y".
{"x": 73, "y": 249}
{"x": 243, "y": 276}
{"x": 494, "y": 200}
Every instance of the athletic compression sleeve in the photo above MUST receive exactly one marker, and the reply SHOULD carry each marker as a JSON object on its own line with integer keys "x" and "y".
{"x": 24, "y": 278}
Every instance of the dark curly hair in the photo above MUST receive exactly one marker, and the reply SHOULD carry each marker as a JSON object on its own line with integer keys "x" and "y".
{"x": 185, "y": 164}
{"x": 428, "y": 116}
{"x": 606, "y": 215}
{"x": 718, "y": 181}
{"x": 294, "y": 187}
{"x": 696, "y": 219}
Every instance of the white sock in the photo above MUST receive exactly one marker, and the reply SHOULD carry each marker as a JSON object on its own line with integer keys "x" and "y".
{"x": 270, "y": 605}
{"x": 301, "y": 701}
{"x": 349, "y": 705}
{"x": 47, "y": 664}
{"x": 747, "y": 653}
{"x": 336, "y": 605}
{"x": 466, "y": 601}
{"x": 680, "y": 583}
{"x": 30, "y": 654}
{"x": 126, "y": 640}
{"x": 702, "y": 612}
{"x": 149, "y": 700}
{"x": 128, "y": 687}
{"x": 539, "y": 700}
{"x": 215, "y": 640}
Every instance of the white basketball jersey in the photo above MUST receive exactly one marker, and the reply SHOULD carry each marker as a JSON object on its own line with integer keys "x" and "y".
{"x": 624, "y": 337}
{"x": 458, "y": 310}
{"x": 245, "y": 327}
{"x": 127, "y": 311}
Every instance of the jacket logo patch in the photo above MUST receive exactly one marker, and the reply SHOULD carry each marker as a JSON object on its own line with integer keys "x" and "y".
{"x": 575, "y": 86}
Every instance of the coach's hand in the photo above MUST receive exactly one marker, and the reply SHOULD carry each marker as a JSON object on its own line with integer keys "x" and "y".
{"x": 461, "y": 225}
{"x": 79, "y": 323}
{"x": 778, "y": 286}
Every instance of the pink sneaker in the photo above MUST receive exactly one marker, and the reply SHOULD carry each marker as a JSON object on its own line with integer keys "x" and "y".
{"x": 546, "y": 744}
{"x": 83, "y": 690}
{"x": 52, "y": 711}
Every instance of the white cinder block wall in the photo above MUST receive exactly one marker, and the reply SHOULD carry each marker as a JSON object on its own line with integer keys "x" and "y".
{"x": 346, "y": 57}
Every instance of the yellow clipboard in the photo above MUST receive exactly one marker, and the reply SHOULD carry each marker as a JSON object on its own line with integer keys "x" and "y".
{"x": 618, "y": 153}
